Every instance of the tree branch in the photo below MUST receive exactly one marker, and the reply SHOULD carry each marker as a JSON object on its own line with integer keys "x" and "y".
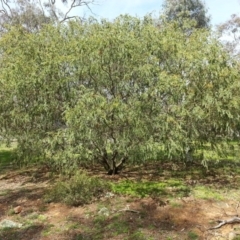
{"x": 222, "y": 222}
{"x": 74, "y": 5}
{"x": 5, "y": 3}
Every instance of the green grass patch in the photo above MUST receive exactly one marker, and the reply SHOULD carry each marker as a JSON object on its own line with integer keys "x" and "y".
{"x": 118, "y": 226}
{"x": 6, "y": 158}
{"x": 138, "y": 235}
{"x": 193, "y": 236}
{"x": 205, "y": 192}
{"x": 148, "y": 188}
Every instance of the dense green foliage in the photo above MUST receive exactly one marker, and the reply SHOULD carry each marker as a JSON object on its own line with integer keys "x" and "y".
{"x": 115, "y": 92}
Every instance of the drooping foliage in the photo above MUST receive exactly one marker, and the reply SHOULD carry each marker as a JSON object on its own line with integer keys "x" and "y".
{"x": 115, "y": 92}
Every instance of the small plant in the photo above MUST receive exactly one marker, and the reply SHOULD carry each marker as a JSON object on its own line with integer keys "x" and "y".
{"x": 47, "y": 231}
{"x": 79, "y": 190}
{"x": 192, "y": 236}
{"x": 33, "y": 216}
{"x": 10, "y": 211}
{"x": 137, "y": 236}
{"x": 41, "y": 218}
{"x": 237, "y": 238}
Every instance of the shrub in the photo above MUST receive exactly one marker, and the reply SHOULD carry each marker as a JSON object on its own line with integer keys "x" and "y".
{"x": 78, "y": 190}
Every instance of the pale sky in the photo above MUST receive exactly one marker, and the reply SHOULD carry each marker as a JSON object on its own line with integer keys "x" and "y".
{"x": 219, "y": 10}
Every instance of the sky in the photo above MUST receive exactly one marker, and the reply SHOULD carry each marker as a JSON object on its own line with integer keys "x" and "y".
{"x": 219, "y": 10}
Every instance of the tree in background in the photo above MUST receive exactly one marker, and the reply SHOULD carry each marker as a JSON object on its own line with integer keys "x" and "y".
{"x": 230, "y": 35}
{"x": 34, "y": 13}
{"x": 34, "y": 87}
{"x": 180, "y": 10}
{"x": 26, "y": 13}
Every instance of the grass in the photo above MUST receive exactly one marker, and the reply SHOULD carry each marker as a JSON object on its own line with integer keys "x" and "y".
{"x": 10, "y": 211}
{"x": 204, "y": 192}
{"x": 148, "y": 188}
{"x": 138, "y": 235}
{"x": 192, "y": 236}
{"x": 6, "y": 158}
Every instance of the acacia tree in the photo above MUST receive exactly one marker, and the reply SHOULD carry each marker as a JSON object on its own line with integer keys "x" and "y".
{"x": 147, "y": 87}
{"x": 34, "y": 86}
{"x": 180, "y": 10}
{"x": 115, "y": 92}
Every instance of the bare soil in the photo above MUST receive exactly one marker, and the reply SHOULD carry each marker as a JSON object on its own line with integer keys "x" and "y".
{"x": 129, "y": 217}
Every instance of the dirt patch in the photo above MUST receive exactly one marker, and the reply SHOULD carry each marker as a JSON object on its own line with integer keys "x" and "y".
{"x": 127, "y": 218}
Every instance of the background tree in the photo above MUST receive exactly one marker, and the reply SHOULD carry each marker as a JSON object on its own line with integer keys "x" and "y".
{"x": 34, "y": 13}
{"x": 26, "y": 13}
{"x": 230, "y": 35}
{"x": 180, "y": 10}
{"x": 34, "y": 87}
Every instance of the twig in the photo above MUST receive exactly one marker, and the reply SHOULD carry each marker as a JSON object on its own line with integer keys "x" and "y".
{"x": 128, "y": 210}
{"x": 74, "y": 5}
{"x": 4, "y": 3}
{"x": 222, "y": 222}
{"x": 237, "y": 208}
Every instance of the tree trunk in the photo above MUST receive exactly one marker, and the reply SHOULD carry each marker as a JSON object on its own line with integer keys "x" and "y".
{"x": 116, "y": 169}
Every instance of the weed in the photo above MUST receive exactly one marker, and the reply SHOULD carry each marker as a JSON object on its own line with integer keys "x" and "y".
{"x": 73, "y": 226}
{"x": 41, "y": 218}
{"x": 33, "y": 216}
{"x": 192, "y": 236}
{"x": 175, "y": 204}
{"x": 118, "y": 227}
{"x": 137, "y": 236}
{"x": 42, "y": 208}
{"x": 5, "y": 192}
{"x": 99, "y": 221}
{"x": 11, "y": 211}
{"x": 47, "y": 230}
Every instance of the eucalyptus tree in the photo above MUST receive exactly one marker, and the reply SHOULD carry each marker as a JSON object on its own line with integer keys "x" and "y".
{"x": 32, "y": 14}
{"x": 229, "y": 32}
{"x": 180, "y": 10}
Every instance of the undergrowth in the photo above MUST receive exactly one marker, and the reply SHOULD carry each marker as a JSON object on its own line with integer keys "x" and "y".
{"x": 78, "y": 190}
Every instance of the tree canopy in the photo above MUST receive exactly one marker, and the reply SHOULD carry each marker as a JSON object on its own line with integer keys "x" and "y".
{"x": 180, "y": 10}
{"x": 115, "y": 92}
